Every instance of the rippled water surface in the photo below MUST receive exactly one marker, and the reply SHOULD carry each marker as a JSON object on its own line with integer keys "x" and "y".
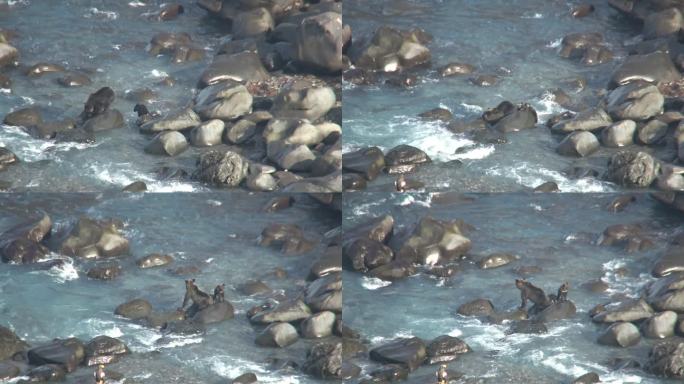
{"x": 521, "y": 36}
{"x": 554, "y": 232}
{"x": 206, "y": 231}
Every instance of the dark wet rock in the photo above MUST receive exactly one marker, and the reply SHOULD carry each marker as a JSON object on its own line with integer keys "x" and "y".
{"x": 667, "y": 358}
{"x": 578, "y": 144}
{"x": 652, "y": 132}
{"x": 168, "y": 143}
{"x": 389, "y": 373}
{"x": 660, "y": 326}
{"x": 40, "y": 69}
{"x": 496, "y": 260}
{"x": 242, "y": 67}
{"x": 574, "y": 45}
{"x": 364, "y": 254}
{"x": 456, "y": 69}
{"x": 136, "y": 186}
{"x": 245, "y": 378}
{"x": 359, "y": 76}
{"x": 93, "y": 239}
{"x": 24, "y": 117}
{"x": 671, "y": 261}
{"x": 596, "y": 54}
{"x": 318, "y": 325}
{"x": 663, "y": 23}
{"x": 438, "y": 114}
{"x": 47, "y": 372}
{"x": 77, "y": 135}
{"x": 10, "y": 343}
{"x": 391, "y": 50}
{"x": 477, "y": 307}
{"x": 74, "y": 79}
{"x": 240, "y": 132}
{"x": 556, "y": 311}
{"x": 225, "y": 100}
{"x": 582, "y": 10}
{"x": 329, "y": 262}
{"x": 632, "y": 169}
{"x": 8, "y": 55}
{"x": 104, "y": 350}
{"x": 278, "y": 204}
{"x": 378, "y": 229}
{"x": 445, "y": 348}
{"x": 596, "y": 286}
{"x": 319, "y": 41}
{"x": 635, "y": 101}
{"x": 549, "y": 186}
{"x": 278, "y": 335}
{"x": 289, "y": 237}
{"x": 325, "y": 293}
{"x": 283, "y": 312}
{"x": 619, "y": 134}
{"x": 52, "y": 129}
{"x": 394, "y": 270}
{"x": 324, "y": 361}
{"x": 21, "y": 243}
{"x": 183, "y": 119}
{"x": 401, "y": 80}
{"x": 5, "y": 82}
{"x": 406, "y": 154}
{"x": 409, "y": 352}
{"x": 108, "y": 271}
{"x": 654, "y": 67}
{"x": 254, "y": 287}
{"x": 134, "y": 309}
{"x": 222, "y": 169}
{"x": 484, "y": 80}
{"x": 620, "y": 335}
{"x": 629, "y": 311}
{"x": 301, "y": 100}
{"x": 368, "y": 162}
{"x": 154, "y": 260}
{"x": 109, "y": 119}
{"x": 433, "y": 241}
{"x": 67, "y": 353}
{"x": 519, "y": 118}
{"x": 215, "y": 313}
{"x": 587, "y": 378}
{"x": 8, "y": 370}
{"x": 588, "y": 120}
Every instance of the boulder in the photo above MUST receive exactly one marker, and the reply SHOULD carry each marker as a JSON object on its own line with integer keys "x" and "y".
{"x": 394, "y": 270}
{"x": 67, "y": 353}
{"x": 253, "y": 22}
{"x": 47, "y": 372}
{"x": 671, "y": 261}
{"x": 10, "y": 343}
{"x": 208, "y": 133}
{"x": 660, "y": 326}
{"x": 477, "y": 307}
{"x": 226, "y": 169}
{"x": 378, "y": 229}
{"x": 635, "y": 101}
{"x": 667, "y": 359}
{"x": 284, "y": 312}
{"x": 226, "y": 100}
{"x": 242, "y": 67}
{"x": 632, "y": 169}
{"x": 8, "y": 55}
{"x": 496, "y": 260}
{"x": 167, "y": 143}
{"x": 619, "y": 134}
{"x": 24, "y": 117}
{"x": 318, "y": 325}
{"x": 319, "y": 41}
{"x": 620, "y": 335}
{"x": 652, "y": 132}
{"x": 214, "y": 313}
{"x": 325, "y": 293}
{"x": 409, "y": 352}
{"x": 183, "y": 119}
{"x": 303, "y": 101}
{"x": 656, "y": 67}
{"x": 278, "y": 335}
{"x": 363, "y": 254}
{"x": 134, "y": 309}
{"x": 405, "y": 154}
{"x": 109, "y": 119}
{"x": 587, "y": 120}
{"x": 8, "y": 371}
{"x": 106, "y": 271}
{"x": 289, "y": 237}
{"x": 104, "y": 350}
{"x": 324, "y": 361}
{"x": 662, "y": 23}
{"x": 240, "y": 132}
{"x": 445, "y": 348}
{"x": 633, "y": 310}
{"x": 367, "y": 162}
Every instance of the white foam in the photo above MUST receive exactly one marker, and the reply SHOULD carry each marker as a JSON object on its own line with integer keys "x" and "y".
{"x": 627, "y": 285}
{"x": 546, "y": 106}
{"x": 117, "y": 174}
{"x": 136, "y": 4}
{"x": 532, "y": 16}
{"x": 174, "y": 341}
{"x": 476, "y": 153}
{"x": 430, "y": 136}
{"x": 373, "y": 283}
{"x": 554, "y": 43}
{"x": 536, "y": 207}
{"x": 231, "y": 367}
{"x": 158, "y": 74}
{"x": 411, "y": 199}
{"x": 472, "y": 108}
{"x": 94, "y": 12}
{"x": 215, "y": 203}
{"x": 31, "y": 150}
{"x": 64, "y": 272}
{"x": 531, "y": 176}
